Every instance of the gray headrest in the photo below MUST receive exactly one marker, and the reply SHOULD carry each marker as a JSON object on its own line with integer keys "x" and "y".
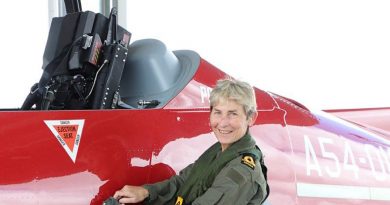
{"x": 152, "y": 71}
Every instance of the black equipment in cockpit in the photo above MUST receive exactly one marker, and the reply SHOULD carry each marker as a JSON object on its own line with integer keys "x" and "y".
{"x": 83, "y": 62}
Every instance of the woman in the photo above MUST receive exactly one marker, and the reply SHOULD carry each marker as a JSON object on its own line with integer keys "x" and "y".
{"x": 229, "y": 172}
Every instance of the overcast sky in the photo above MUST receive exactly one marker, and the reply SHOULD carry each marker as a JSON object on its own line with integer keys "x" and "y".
{"x": 325, "y": 54}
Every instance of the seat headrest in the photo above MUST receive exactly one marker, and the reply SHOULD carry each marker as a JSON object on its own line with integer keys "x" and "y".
{"x": 152, "y": 71}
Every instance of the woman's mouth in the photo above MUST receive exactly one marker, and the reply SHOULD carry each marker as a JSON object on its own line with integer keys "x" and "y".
{"x": 224, "y": 131}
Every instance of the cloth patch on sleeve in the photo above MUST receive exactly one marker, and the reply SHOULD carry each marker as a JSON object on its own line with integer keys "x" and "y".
{"x": 236, "y": 176}
{"x": 248, "y": 160}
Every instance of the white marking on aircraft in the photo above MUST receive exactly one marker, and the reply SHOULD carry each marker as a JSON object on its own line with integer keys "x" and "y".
{"x": 343, "y": 191}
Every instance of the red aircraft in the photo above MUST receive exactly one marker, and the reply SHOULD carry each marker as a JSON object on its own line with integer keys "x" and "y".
{"x": 155, "y": 120}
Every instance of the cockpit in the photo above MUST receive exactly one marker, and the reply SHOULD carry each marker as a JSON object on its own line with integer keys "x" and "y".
{"x": 89, "y": 63}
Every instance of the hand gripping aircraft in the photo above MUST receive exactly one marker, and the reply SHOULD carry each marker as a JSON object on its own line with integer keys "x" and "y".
{"x": 109, "y": 112}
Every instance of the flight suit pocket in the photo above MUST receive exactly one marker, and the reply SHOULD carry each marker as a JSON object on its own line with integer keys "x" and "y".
{"x": 211, "y": 196}
{"x": 261, "y": 188}
{"x": 261, "y": 182}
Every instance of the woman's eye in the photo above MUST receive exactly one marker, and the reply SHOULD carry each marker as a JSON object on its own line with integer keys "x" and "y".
{"x": 233, "y": 114}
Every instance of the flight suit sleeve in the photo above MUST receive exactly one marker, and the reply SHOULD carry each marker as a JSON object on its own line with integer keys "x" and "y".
{"x": 237, "y": 183}
{"x": 164, "y": 192}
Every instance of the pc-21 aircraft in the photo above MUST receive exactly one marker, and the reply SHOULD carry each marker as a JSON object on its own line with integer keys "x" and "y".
{"x": 109, "y": 112}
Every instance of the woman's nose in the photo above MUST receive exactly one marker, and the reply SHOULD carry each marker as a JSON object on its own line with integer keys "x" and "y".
{"x": 224, "y": 121}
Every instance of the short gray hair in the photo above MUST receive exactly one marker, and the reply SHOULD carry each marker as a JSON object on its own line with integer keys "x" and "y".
{"x": 238, "y": 91}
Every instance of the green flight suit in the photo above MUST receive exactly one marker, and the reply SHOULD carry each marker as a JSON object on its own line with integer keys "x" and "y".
{"x": 237, "y": 183}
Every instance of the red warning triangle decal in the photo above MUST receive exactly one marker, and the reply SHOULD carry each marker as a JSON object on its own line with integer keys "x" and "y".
{"x": 68, "y": 133}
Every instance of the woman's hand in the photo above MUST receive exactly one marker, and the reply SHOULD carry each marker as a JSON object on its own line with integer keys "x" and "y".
{"x": 131, "y": 194}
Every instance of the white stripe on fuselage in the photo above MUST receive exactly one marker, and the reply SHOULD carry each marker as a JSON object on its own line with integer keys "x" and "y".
{"x": 342, "y": 191}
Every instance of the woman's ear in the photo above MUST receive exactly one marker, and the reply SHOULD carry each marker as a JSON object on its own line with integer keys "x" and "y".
{"x": 252, "y": 119}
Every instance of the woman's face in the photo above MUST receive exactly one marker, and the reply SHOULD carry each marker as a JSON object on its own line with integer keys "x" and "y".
{"x": 229, "y": 122}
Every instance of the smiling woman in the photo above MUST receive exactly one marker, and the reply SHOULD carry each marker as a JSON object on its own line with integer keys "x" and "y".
{"x": 233, "y": 110}
{"x": 231, "y": 171}
{"x": 229, "y": 122}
